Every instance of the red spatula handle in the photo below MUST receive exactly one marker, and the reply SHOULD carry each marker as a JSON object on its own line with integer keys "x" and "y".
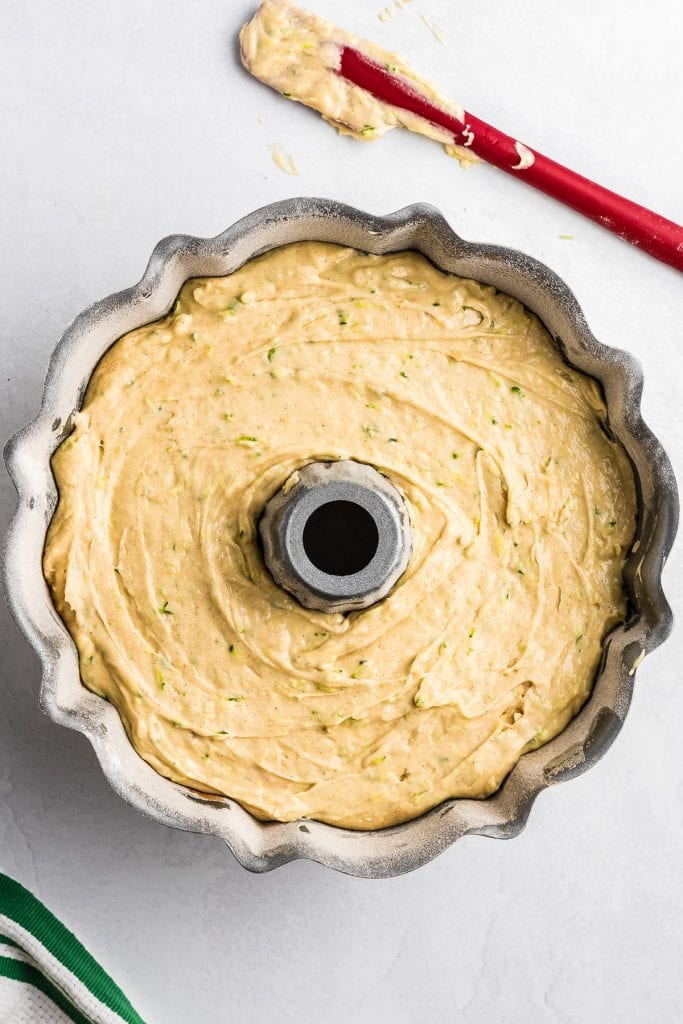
{"x": 649, "y": 231}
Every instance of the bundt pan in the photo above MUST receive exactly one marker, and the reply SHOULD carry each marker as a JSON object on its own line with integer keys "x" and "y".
{"x": 261, "y": 846}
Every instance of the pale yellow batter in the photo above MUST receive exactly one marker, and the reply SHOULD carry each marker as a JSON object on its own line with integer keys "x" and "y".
{"x": 521, "y": 508}
{"x": 298, "y": 54}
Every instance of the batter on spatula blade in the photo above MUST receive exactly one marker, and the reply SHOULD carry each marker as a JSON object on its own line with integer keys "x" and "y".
{"x": 298, "y": 54}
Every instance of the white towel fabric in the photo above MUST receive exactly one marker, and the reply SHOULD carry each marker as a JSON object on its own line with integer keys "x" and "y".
{"x": 46, "y": 975}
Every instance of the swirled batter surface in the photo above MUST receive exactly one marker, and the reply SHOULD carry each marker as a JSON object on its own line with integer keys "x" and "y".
{"x": 521, "y": 507}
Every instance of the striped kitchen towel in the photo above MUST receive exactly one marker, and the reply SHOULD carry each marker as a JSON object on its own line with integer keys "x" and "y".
{"x": 46, "y": 976}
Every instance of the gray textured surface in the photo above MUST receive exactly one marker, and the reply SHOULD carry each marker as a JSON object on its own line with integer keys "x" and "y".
{"x": 577, "y": 920}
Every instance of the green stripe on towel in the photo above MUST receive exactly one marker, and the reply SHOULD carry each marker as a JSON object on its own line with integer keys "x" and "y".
{"x": 17, "y": 970}
{"x": 22, "y": 907}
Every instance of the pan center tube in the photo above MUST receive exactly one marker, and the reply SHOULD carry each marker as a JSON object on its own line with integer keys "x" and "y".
{"x": 336, "y": 536}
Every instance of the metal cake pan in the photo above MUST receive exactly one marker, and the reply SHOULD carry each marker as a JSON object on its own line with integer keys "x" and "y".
{"x": 261, "y": 846}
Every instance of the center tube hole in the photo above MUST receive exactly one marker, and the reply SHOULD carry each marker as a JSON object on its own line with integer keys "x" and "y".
{"x": 340, "y": 538}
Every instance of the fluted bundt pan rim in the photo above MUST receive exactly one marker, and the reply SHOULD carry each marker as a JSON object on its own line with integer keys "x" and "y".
{"x": 260, "y": 846}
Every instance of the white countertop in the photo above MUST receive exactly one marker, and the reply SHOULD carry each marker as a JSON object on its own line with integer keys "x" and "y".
{"x": 124, "y": 122}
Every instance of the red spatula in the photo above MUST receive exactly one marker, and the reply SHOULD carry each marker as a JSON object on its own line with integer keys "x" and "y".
{"x": 656, "y": 235}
